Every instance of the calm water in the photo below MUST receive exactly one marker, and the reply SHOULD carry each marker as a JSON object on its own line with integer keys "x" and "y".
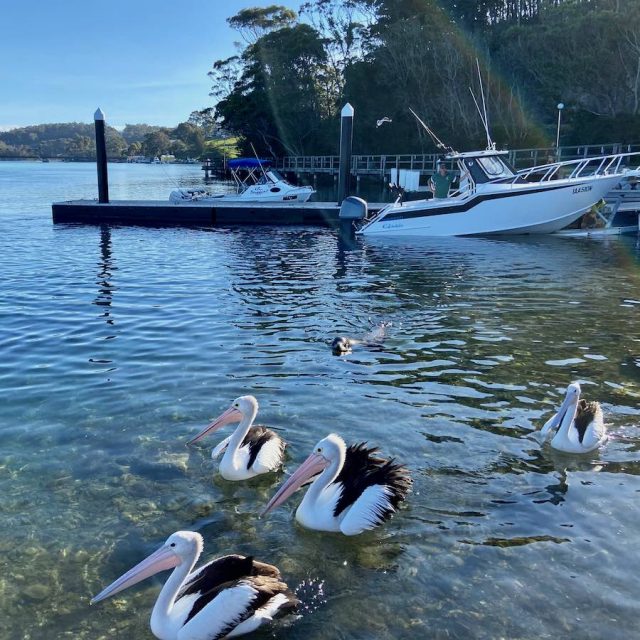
{"x": 118, "y": 344}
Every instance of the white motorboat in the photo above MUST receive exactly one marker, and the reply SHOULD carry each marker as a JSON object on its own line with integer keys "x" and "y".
{"x": 255, "y": 182}
{"x": 494, "y": 198}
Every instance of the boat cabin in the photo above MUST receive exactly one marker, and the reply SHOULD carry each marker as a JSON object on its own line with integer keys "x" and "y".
{"x": 482, "y": 166}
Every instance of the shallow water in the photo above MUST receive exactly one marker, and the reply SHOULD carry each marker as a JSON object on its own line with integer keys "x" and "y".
{"x": 118, "y": 344}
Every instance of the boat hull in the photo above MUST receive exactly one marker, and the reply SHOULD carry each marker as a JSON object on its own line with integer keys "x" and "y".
{"x": 506, "y": 210}
{"x": 184, "y": 195}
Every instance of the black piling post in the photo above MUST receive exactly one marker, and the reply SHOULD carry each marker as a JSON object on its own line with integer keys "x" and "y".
{"x": 101, "y": 158}
{"x": 346, "y": 137}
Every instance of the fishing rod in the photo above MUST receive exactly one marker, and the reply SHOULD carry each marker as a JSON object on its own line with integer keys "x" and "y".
{"x": 438, "y": 143}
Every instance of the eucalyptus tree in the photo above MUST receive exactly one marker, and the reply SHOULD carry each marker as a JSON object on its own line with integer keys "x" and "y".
{"x": 255, "y": 22}
{"x": 586, "y": 55}
{"x": 275, "y": 103}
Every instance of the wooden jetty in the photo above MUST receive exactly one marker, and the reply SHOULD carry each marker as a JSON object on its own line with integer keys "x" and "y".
{"x": 426, "y": 163}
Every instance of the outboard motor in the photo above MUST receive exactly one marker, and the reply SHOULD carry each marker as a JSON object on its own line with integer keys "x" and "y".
{"x": 353, "y": 208}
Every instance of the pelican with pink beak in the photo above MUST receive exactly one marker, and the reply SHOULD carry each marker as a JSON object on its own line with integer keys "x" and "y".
{"x": 249, "y": 451}
{"x": 578, "y": 425}
{"x": 354, "y": 490}
{"x": 224, "y": 598}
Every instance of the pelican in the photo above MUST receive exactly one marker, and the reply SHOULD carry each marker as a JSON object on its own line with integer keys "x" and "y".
{"x": 248, "y": 451}
{"x": 354, "y": 491}
{"x": 226, "y": 597}
{"x": 578, "y": 426}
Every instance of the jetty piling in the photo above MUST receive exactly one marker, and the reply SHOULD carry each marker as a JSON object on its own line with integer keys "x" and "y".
{"x": 346, "y": 139}
{"x": 101, "y": 158}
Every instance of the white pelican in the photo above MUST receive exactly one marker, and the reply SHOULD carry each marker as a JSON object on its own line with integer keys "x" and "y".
{"x": 248, "y": 451}
{"x": 227, "y": 597}
{"x": 354, "y": 491}
{"x": 578, "y": 426}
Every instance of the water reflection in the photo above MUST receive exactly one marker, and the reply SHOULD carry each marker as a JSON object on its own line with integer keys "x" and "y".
{"x": 105, "y": 273}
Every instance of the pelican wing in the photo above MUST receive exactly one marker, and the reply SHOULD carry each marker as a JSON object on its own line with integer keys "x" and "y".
{"x": 585, "y": 416}
{"x": 363, "y": 469}
{"x": 215, "y": 614}
{"x": 237, "y": 607}
{"x": 229, "y": 591}
{"x": 368, "y": 511}
{"x": 265, "y": 448}
{"x": 215, "y": 573}
{"x": 589, "y": 423}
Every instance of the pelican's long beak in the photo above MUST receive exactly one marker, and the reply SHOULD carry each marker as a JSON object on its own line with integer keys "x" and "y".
{"x": 161, "y": 560}
{"x": 230, "y": 415}
{"x": 312, "y": 466}
{"x": 567, "y": 409}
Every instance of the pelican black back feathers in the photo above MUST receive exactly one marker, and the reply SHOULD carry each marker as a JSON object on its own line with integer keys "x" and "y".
{"x": 585, "y": 415}
{"x": 226, "y": 572}
{"x": 363, "y": 468}
{"x": 257, "y": 437}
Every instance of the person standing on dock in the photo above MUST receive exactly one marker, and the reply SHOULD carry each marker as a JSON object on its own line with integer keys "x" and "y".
{"x": 441, "y": 182}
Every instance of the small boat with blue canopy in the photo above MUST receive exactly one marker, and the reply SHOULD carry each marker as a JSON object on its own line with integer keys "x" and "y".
{"x": 255, "y": 181}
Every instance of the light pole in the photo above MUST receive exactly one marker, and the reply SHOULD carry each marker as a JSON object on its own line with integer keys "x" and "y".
{"x": 560, "y": 108}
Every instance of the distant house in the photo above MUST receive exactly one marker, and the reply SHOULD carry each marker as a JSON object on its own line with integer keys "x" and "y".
{"x": 167, "y": 158}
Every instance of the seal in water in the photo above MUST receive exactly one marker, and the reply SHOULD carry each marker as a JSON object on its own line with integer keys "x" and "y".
{"x": 374, "y": 338}
{"x": 342, "y": 344}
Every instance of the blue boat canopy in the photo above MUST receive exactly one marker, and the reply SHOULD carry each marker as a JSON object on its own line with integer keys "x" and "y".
{"x": 247, "y": 163}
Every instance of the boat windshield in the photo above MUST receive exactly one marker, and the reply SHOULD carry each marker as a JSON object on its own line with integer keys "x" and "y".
{"x": 275, "y": 176}
{"x": 494, "y": 167}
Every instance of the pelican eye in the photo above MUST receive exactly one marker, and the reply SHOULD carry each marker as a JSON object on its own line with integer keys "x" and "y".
{"x": 319, "y": 449}
{"x": 173, "y": 544}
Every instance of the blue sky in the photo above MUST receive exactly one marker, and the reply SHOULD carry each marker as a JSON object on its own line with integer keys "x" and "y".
{"x": 139, "y": 60}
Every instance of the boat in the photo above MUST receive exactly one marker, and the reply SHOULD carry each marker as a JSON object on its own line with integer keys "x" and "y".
{"x": 494, "y": 198}
{"x": 255, "y": 181}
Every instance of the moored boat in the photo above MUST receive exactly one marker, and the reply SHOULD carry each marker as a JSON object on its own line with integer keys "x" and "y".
{"x": 496, "y": 199}
{"x": 258, "y": 184}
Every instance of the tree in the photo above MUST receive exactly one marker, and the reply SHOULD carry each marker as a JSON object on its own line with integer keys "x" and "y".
{"x": 254, "y": 23}
{"x": 135, "y": 149}
{"x": 275, "y": 103}
{"x": 191, "y": 136}
{"x": 344, "y": 26}
{"x": 156, "y": 143}
{"x": 137, "y": 132}
{"x": 205, "y": 119}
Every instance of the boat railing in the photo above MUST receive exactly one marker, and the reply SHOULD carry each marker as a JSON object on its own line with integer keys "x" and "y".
{"x": 579, "y": 168}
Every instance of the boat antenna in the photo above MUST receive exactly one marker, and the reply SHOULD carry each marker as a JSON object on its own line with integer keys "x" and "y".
{"x": 439, "y": 144}
{"x": 491, "y": 145}
{"x": 475, "y": 100}
{"x": 264, "y": 173}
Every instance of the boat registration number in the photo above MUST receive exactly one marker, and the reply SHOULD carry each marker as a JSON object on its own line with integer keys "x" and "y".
{"x": 581, "y": 189}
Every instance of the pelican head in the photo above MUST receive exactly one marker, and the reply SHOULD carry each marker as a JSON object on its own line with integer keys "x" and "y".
{"x": 341, "y": 344}
{"x": 240, "y": 407}
{"x": 566, "y": 411}
{"x": 180, "y": 547}
{"x": 329, "y": 451}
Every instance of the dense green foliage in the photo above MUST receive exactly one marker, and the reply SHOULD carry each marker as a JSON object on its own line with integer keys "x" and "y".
{"x": 284, "y": 91}
{"x": 76, "y": 140}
